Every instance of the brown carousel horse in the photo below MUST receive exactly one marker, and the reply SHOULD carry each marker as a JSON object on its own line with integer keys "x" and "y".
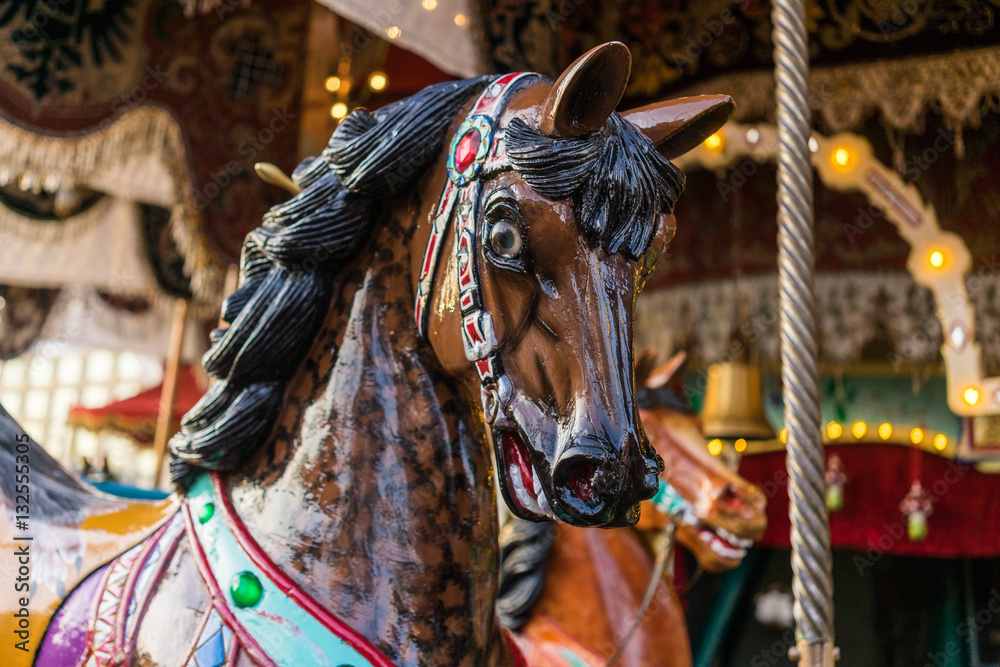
{"x": 459, "y": 269}
{"x": 573, "y": 596}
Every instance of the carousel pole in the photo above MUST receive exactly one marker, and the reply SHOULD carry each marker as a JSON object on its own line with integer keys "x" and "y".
{"x": 812, "y": 581}
{"x": 168, "y": 392}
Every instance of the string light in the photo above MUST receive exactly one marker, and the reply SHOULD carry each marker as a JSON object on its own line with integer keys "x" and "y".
{"x": 339, "y": 110}
{"x": 936, "y": 259}
{"x": 460, "y": 19}
{"x": 940, "y": 442}
{"x": 378, "y": 81}
{"x": 740, "y": 445}
{"x": 841, "y": 157}
{"x": 333, "y": 83}
{"x": 917, "y": 436}
{"x": 885, "y": 431}
{"x": 834, "y": 430}
{"x": 715, "y": 142}
{"x": 783, "y": 436}
{"x": 429, "y": 5}
{"x": 392, "y": 32}
{"x": 971, "y": 395}
{"x": 859, "y": 429}
{"x": 715, "y": 447}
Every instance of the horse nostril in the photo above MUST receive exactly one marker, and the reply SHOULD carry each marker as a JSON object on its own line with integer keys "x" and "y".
{"x": 731, "y": 496}
{"x": 581, "y": 480}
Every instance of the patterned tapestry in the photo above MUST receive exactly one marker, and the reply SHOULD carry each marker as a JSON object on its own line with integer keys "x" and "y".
{"x": 86, "y": 85}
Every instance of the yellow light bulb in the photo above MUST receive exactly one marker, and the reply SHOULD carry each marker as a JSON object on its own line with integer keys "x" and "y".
{"x": 971, "y": 395}
{"x": 917, "y": 436}
{"x": 339, "y": 110}
{"x": 783, "y": 436}
{"x": 841, "y": 157}
{"x": 715, "y": 447}
{"x": 834, "y": 430}
{"x": 392, "y": 32}
{"x": 936, "y": 259}
{"x": 940, "y": 442}
{"x": 859, "y": 429}
{"x": 378, "y": 81}
{"x": 885, "y": 431}
{"x": 740, "y": 445}
{"x": 429, "y": 4}
{"x": 460, "y": 19}
{"x": 333, "y": 83}
{"x": 715, "y": 142}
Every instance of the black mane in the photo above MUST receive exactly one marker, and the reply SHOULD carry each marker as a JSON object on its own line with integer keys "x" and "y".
{"x": 618, "y": 182}
{"x": 524, "y": 548}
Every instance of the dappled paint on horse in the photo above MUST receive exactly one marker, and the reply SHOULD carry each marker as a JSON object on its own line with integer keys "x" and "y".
{"x": 418, "y": 301}
{"x": 574, "y": 594}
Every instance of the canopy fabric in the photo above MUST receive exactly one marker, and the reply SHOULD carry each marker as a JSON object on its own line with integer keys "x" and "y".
{"x": 135, "y": 417}
{"x": 433, "y": 33}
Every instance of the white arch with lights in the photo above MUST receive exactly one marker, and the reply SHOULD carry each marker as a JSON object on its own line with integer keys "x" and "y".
{"x": 938, "y": 260}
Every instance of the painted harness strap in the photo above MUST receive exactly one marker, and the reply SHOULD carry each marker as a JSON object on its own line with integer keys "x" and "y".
{"x": 123, "y": 595}
{"x": 274, "y": 621}
{"x": 476, "y": 150}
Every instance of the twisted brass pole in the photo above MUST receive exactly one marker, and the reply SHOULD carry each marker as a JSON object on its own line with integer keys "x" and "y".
{"x": 812, "y": 581}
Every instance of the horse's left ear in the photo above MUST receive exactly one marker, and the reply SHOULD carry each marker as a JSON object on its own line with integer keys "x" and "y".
{"x": 662, "y": 375}
{"x": 676, "y": 126}
{"x": 585, "y": 95}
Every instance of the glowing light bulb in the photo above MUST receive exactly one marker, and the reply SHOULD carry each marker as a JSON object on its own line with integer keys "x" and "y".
{"x": 841, "y": 157}
{"x": 429, "y": 5}
{"x": 940, "y": 442}
{"x": 715, "y": 142}
{"x": 917, "y": 436}
{"x": 859, "y": 429}
{"x": 333, "y": 83}
{"x": 392, "y": 32}
{"x": 740, "y": 445}
{"x": 783, "y": 436}
{"x": 715, "y": 447}
{"x": 460, "y": 19}
{"x": 378, "y": 81}
{"x": 936, "y": 259}
{"x": 339, "y": 110}
{"x": 971, "y": 395}
{"x": 834, "y": 430}
{"x": 885, "y": 431}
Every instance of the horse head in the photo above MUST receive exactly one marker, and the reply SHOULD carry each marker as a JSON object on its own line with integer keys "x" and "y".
{"x": 718, "y": 513}
{"x": 569, "y": 222}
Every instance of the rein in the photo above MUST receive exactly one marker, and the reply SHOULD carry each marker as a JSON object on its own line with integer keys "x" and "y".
{"x": 477, "y": 152}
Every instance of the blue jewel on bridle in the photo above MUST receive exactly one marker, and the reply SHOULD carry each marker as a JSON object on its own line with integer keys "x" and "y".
{"x": 476, "y": 152}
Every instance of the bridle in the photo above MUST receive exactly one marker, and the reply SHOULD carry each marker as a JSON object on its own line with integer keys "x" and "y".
{"x": 477, "y": 152}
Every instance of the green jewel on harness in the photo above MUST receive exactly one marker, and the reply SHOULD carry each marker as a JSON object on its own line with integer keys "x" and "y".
{"x": 245, "y": 590}
{"x": 207, "y": 512}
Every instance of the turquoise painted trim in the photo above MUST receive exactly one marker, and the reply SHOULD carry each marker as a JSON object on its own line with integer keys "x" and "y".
{"x": 723, "y": 611}
{"x": 668, "y": 499}
{"x": 288, "y": 634}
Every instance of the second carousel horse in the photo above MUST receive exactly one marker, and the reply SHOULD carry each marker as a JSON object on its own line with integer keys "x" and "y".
{"x": 572, "y": 595}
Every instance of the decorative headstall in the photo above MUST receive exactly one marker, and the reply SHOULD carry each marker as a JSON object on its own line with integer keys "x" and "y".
{"x": 477, "y": 152}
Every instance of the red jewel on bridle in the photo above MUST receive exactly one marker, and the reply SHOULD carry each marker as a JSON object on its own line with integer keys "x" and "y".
{"x": 469, "y": 148}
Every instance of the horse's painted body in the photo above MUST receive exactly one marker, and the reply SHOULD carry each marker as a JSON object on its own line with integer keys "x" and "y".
{"x": 341, "y": 459}
{"x": 590, "y": 584}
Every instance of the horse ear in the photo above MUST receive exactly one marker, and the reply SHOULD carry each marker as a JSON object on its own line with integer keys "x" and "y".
{"x": 586, "y": 94}
{"x": 662, "y": 375}
{"x": 676, "y": 126}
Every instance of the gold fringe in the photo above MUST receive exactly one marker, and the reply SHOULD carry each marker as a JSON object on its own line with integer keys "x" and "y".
{"x": 145, "y": 129}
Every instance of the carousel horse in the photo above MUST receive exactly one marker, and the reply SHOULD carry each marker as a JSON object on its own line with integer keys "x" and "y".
{"x": 573, "y": 596}
{"x": 454, "y": 281}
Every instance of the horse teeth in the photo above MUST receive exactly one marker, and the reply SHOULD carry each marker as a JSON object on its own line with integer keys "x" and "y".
{"x": 723, "y": 551}
{"x": 732, "y": 539}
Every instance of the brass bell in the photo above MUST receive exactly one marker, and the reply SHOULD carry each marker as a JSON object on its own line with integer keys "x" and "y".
{"x": 733, "y": 406}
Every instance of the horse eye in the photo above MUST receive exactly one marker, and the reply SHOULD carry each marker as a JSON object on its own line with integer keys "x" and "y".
{"x": 505, "y": 239}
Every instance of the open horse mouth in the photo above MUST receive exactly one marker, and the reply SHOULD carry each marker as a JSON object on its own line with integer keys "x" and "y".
{"x": 519, "y": 476}
{"x": 723, "y": 543}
